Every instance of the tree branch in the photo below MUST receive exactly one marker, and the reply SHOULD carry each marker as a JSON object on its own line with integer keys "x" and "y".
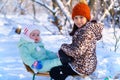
{"x": 62, "y": 8}
{"x": 107, "y": 10}
{"x": 43, "y": 4}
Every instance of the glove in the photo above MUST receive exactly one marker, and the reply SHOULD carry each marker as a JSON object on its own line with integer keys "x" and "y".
{"x": 65, "y": 59}
{"x": 37, "y": 65}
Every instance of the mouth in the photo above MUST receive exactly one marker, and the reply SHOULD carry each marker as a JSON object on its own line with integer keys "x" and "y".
{"x": 36, "y": 40}
{"x": 79, "y": 25}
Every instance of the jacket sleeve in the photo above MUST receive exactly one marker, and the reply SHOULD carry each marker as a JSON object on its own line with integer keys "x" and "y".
{"x": 25, "y": 55}
{"x": 79, "y": 46}
{"x": 51, "y": 54}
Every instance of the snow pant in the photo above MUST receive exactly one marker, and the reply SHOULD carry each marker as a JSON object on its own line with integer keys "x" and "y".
{"x": 52, "y": 60}
{"x": 48, "y": 64}
{"x": 61, "y": 72}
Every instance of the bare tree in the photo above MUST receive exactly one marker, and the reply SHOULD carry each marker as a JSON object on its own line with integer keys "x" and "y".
{"x": 58, "y": 8}
{"x": 117, "y": 39}
{"x": 34, "y": 11}
{"x": 3, "y": 4}
{"x": 55, "y": 19}
{"x": 19, "y": 7}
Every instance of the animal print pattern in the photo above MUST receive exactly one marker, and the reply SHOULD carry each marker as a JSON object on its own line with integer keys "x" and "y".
{"x": 83, "y": 48}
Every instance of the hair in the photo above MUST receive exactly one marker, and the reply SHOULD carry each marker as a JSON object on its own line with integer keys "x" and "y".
{"x": 75, "y": 27}
{"x": 73, "y": 30}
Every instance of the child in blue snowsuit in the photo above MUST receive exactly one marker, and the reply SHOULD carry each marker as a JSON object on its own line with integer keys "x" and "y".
{"x": 33, "y": 52}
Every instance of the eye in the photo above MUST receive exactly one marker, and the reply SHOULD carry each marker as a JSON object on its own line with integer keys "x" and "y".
{"x": 81, "y": 17}
{"x": 37, "y": 34}
{"x": 75, "y": 17}
{"x": 33, "y": 34}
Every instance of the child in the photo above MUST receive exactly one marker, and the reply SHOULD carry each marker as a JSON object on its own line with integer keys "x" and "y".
{"x": 85, "y": 34}
{"x": 33, "y": 52}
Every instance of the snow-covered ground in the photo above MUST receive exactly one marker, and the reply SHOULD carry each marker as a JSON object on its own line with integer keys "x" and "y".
{"x": 12, "y": 68}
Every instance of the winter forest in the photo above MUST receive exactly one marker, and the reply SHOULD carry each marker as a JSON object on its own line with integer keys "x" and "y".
{"x": 54, "y": 18}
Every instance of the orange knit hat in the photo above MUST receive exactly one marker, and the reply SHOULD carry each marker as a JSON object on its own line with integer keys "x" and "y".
{"x": 81, "y": 9}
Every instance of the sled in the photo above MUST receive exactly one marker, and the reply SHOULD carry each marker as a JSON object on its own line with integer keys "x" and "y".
{"x": 35, "y": 74}
{"x": 46, "y": 73}
{"x": 38, "y": 73}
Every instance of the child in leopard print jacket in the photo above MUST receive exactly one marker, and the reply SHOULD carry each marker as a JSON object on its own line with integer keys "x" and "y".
{"x": 85, "y": 34}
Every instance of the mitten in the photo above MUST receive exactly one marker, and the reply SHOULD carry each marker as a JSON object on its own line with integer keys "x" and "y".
{"x": 37, "y": 65}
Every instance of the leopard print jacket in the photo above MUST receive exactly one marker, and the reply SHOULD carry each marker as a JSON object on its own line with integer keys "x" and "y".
{"x": 83, "y": 48}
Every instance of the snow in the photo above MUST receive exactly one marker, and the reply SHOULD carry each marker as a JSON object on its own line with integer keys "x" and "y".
{"x": 12, "y": 68}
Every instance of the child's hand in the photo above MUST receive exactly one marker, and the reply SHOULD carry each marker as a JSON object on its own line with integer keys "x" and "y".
{"x": 37, "y": 65}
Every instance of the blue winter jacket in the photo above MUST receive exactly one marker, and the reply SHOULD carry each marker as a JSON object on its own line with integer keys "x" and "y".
{"x": 31, "y": 52}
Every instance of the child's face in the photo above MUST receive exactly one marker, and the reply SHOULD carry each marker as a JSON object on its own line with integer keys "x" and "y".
{"x": 80, "y": 21}
{"x": 35, "y": 35}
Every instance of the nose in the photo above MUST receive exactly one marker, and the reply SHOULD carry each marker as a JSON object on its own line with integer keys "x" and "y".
{"x": 79, "y": 21}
